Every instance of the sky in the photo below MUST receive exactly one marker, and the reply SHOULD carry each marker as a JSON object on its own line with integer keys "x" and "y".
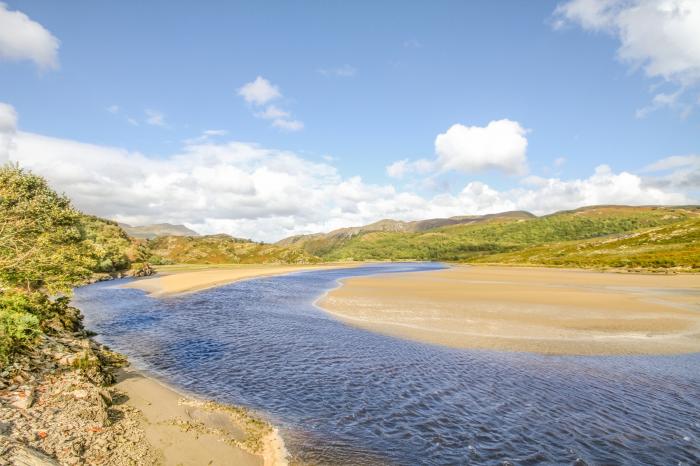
{"x": 268, "y": 119}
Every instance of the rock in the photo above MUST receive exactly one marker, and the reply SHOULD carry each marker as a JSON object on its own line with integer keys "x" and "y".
{"x": 23, "y": 399}
{"x": 5, "y": 428}
{"x": 106, "y": 396}
{"x": 80, "y": 394}
{"x": 67, "y": 359}
{"x": 26, "y": 456}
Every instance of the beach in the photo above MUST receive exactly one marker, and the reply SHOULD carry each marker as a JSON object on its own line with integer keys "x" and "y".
{"x": 184, "y": 430}
{"x": 185, "y": 279}
{"x": 541, "y": 310}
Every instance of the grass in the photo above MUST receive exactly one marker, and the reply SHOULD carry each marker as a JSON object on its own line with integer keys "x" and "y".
{"x": 603, "y": 236}
{"x": 222, "y": 249}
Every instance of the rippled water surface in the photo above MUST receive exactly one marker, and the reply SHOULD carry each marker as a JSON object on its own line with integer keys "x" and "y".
{"x": 348, "y": 396}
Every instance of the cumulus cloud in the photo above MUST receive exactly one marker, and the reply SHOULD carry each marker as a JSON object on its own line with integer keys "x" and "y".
{"x": 501, "y": 145}
{"x": 261, "y": 91}
{"x": 660, "y": 36}
{"x": 344, "y": 71}
{"x": 24, "y": 39}
{"x": 8, "y": 129}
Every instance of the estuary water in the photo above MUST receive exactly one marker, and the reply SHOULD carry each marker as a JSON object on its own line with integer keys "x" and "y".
{"x": 342, "y": 395}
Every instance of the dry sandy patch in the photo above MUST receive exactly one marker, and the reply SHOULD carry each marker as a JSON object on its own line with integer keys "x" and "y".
{"x": 550, "y": 311}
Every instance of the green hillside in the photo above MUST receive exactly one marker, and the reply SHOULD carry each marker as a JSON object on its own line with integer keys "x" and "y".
{"x": 673, "y": 245}
{"x": 503, "y": 238}
{"x": 222, "y": 249}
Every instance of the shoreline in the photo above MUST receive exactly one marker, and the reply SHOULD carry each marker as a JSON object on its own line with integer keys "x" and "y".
{"x": 536, "y": 310}
{"x": 187, "y": 429}
{"x": 189, "y": 281}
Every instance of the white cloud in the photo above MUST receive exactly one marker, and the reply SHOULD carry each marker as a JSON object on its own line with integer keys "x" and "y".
{"x": 288, "y": 125}
{"x": 501, "y": 145}
{"x": 254, "y": 192}
{"x": 559, "y": 162}
{"x": 401, "y": 168}
{"x": 205, "y": 136}
{"x": 114, "y": 109}
{"x": 677, "y": 173}
{"x": 8, "y": 129}
{"x": 272, "y": 112}
{"x": 259, "y": 92}
{"x": 664, "y": 100}
{"x": 660, "y": 36}
{"x": 344, "y": 71}
{"x": 155, "y": 118}
{"x": 24, "y": 39}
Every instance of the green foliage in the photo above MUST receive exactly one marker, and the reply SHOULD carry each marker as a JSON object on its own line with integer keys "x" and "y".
{"x": 221, "y": 249}
{"x": 41, "y": 240}
{"x": 666, "y": 246}
{"x": 26, "y": 314}
{"x": 503, "y": 239}
{"x": 18, "y": 324}
{"x": 110, "y": 246}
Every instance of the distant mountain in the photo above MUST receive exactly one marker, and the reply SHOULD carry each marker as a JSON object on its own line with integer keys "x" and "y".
{"x": 159, "y": 229}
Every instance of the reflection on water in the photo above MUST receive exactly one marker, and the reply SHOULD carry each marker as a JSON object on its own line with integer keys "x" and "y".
{"x": 344, "y": 395}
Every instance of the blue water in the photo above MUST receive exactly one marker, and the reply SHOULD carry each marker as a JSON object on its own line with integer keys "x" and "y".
{"x": 347, "y": 396}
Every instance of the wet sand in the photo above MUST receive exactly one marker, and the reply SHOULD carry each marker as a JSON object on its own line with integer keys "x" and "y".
{"x": 549, "y": 311}
{"x": 185, "y": 431}
{"x": 183, "y": 279}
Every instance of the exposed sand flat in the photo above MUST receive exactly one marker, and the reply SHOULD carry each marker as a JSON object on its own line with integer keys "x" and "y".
{"x": 551, "y": 311}
{"x": 183, "y": 279}
{"x": 190, "y": 432}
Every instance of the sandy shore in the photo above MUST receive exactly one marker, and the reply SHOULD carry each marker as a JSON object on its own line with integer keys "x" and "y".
{"x": 185, "y": 431}
{"x": 183, "y": 279}
{"x": 550, "y": 311}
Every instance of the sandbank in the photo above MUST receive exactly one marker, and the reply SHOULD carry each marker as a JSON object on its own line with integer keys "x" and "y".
{"x": 173, "y": 280}
{"x": 541, "y": 310}
{"x": 186, "y": 431}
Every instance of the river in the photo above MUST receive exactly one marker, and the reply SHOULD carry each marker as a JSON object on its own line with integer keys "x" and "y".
{"x": 342, "y": 395}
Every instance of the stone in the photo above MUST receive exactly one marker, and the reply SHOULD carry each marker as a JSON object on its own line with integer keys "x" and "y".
{"x": 26, "y": 456}
{"x": 23, "y": 399}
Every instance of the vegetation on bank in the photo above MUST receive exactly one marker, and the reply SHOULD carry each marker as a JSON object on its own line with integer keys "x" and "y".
{"x": 222, "y": 249}
{"x": 602, "y": 236}
{"x": 42, "y": 251}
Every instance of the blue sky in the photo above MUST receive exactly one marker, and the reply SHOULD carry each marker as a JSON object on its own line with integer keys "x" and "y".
{"x": 372, "y": 83}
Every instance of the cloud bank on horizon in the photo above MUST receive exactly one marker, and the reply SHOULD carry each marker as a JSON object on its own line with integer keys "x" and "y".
{"x": 250, "y": 190}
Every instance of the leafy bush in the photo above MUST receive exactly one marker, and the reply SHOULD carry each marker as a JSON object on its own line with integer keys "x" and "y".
{"x": 41, "y": 240}
{"x": 19, "y": 326}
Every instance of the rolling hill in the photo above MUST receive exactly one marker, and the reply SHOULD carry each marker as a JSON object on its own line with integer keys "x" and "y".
{"x": 222, "y": 249}
{"x": 597, "y": 236}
